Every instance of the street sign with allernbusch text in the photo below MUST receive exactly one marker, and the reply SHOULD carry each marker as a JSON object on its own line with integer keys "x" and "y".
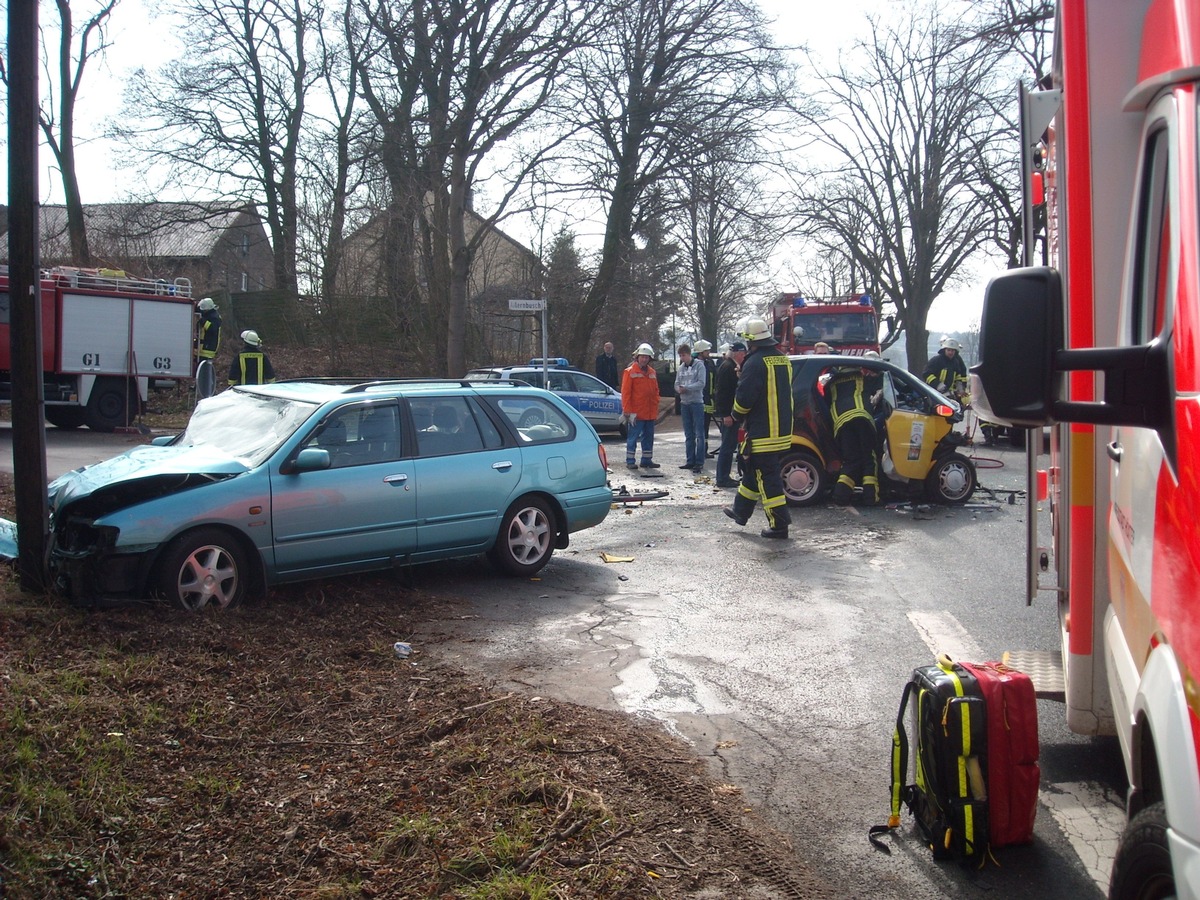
{"x": 518, "y": 305}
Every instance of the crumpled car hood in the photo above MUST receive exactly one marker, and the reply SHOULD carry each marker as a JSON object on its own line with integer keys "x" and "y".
{"x": 142, "y": 472}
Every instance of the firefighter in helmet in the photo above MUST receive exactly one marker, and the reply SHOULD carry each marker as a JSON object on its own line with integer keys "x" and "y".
{"x": 251, "y": 365}
{"x": 946, "y": 370}
{"x": 762, "y": 405}
{"x": 208, "y": 329}
{"x": 639, "y": 405}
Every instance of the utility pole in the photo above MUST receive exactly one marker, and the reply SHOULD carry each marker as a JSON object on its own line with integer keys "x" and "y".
{"x": 25, "y": 306}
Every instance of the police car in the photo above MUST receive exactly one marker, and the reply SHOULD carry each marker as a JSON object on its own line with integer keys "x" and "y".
{"x": 595, "y": 400}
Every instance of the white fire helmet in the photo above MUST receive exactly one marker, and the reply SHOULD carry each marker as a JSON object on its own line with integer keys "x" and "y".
{"x": 644, "y": 350}
{"x": 252, "y": 338}
{"x": 206, "y": 304}
{"x": 754, "y": 329}
{"x": 949, "y": 343}
{"x": 701, "y": 345}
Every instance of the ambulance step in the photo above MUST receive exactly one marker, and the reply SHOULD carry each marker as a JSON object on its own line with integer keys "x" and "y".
{"x": 1044, "y": 668}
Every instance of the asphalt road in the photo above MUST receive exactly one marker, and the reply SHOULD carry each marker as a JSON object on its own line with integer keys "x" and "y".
{"x": 782, "y": 663}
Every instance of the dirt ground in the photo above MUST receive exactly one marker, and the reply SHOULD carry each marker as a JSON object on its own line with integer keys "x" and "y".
{"x": 287, "y": 749}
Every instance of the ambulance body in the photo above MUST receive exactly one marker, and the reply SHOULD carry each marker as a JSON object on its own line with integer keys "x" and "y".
{"x": 1102, "y": 344}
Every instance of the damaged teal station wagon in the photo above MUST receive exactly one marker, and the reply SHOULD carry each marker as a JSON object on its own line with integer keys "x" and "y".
{"x": 305, "y": 479}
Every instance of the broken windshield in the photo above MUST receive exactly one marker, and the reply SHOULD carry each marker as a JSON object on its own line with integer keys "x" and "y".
{"x": 249, "y": 427}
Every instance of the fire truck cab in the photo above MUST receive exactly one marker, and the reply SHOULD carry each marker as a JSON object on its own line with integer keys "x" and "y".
{"x": 1102, "y": 344}
{"x": 849, "y": 325}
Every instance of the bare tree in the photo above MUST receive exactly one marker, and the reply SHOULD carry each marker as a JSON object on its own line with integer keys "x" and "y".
{"x": 57, "y": 120}
{"x": 725, "y": 226}
{"x": 906, "y": 128}
{"x": 661, "y": 70}
{"x": 449, "y": 83}
{"x": 334, "y": 152}
{"x": 230, "y": 117}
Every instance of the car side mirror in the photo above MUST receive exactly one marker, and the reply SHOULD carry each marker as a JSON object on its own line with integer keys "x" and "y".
{"x": 164, "y": 440}
{"x": 1014, "y": 381}
{"x": 311, "y": 459}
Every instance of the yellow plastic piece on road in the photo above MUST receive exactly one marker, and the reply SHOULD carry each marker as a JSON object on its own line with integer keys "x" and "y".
{"x": 612, "y": 557}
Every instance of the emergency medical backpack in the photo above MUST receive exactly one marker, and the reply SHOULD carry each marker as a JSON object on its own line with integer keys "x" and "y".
{"x": 974, "y": 777}
{"x": 944, "y": 788}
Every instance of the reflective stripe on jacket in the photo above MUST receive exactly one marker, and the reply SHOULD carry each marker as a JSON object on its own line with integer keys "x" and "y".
{"x": 763, "y": 401}
{"x": 845, "y": 392}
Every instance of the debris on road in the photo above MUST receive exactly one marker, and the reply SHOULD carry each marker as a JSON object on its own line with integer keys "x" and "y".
{"x": 613, "y": 558}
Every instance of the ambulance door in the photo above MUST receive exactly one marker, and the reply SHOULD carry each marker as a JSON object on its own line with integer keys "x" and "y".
{"x": 1137, "y": 454}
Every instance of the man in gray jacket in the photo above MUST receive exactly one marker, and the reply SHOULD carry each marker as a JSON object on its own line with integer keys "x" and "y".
{"x": 690, "y": 379}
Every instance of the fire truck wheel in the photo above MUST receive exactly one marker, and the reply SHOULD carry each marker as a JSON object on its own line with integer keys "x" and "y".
{"x": 952, "y": 479}
{"x": 65, "y": 417}
{"x": 1142, "y": 867}
{"x": 114, "y": 402}
{"x": 804, "y": 478}
{"x": 205, "y": 567}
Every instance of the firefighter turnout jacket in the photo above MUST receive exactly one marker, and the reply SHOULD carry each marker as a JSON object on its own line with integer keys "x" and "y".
{"x": 251, "y": 366}
{"x": 846, "y": 398}
{"x": 763, "y": 401}
{"x": 208, "y": 338}
{"x": 952, "y": 373}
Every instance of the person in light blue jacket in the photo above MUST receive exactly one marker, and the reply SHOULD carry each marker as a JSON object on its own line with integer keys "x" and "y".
{"x": 690, "y": 379}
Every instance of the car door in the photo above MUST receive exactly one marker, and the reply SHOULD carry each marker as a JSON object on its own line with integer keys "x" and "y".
{"x": 466, "y": 473}
{"x": 361, "y": 512}
{"x": 911, "y": 437}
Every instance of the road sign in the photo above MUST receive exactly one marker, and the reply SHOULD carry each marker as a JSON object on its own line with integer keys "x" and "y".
{"x": 519, "y": 305}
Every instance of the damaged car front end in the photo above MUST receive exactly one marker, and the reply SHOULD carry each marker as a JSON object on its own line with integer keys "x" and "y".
{"x": 112, "y": 523}
{"x": 91, "y": 559}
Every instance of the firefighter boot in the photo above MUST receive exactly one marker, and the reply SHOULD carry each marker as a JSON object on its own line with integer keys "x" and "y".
{"x": 741, "y": 510}
{"x": 779, "y": 519}
{"x": 870, "y": 491}
{"x": 843, "y": 491}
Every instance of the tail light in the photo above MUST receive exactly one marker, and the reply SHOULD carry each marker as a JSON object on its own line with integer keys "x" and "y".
{"x": 603, "y": 457}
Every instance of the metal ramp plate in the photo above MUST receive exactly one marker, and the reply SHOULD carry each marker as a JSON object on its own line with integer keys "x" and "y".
{"x": 1044, "y": 667}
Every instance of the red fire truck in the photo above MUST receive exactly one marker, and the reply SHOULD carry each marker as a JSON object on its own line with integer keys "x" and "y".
{"x": 105, "y": 338}
{"x": 848, "y": 325}
{"x": 1102, "y": 344}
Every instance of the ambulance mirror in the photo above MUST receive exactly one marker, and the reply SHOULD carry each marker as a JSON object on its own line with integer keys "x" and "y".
{"x": 1014, "y": 382}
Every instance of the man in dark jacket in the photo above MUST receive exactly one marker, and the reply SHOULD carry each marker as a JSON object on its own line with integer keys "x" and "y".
{"x": 723, "y": 394}
{"x": 762, "y": 405}
{"x": 607, "y": 369}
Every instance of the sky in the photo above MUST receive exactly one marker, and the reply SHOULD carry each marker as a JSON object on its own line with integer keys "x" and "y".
{"x": 140, "y": 38}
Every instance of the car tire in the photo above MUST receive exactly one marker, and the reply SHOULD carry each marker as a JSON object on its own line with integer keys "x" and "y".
{"x": 68, "y": 418}
{"x": 1142, "y": 867}
{"x": 804, "y": 478}
{"x": 952, "y": 479}
{"x": 525, "y": 542}
{"x": 113, "y": 402}
{"x": 203, "y": 567}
